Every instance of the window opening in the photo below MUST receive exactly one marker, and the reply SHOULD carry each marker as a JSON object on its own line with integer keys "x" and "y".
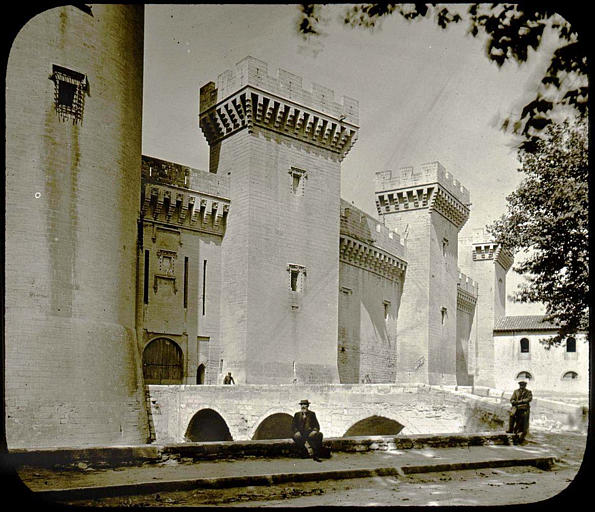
{"x": 524, "y": 345}
{"x": 297, "y": 177}
{"x": 296, "y": 277}
{"x": 146, "y": 280}
{"x": 204, "y": 286}
{"x": 386, "y": 308}
{"x": 570, "y": 345}
{"x": 444, "y": 312}
{"x": 186, "y": 282}
{"x": 69, "y": 93}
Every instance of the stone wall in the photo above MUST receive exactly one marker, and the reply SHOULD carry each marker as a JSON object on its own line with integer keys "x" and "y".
{"x": 73, "y": 370}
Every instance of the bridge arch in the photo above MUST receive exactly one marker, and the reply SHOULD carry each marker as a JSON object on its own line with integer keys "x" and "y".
{"x": 273, "y": 416}
{"x": 275, "y": 426}
{"x": 207, "y": 425}
{"x": 374, "y": 425}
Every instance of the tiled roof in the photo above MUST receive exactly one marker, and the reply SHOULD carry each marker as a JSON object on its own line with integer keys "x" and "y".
{"x": 524, "y": 323}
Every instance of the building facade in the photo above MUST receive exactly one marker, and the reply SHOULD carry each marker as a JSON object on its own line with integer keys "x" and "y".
{"x": 124, "y": 270}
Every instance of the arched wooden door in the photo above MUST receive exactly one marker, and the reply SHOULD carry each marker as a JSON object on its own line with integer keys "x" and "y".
{"x": 163, "y": 362}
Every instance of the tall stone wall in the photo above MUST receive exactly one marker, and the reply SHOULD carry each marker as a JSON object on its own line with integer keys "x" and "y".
{"x": 183, "y": 215}
{"x": 371, "y": 274}
{"x": 73, "y": 156}
{"x": 283, "y": 160}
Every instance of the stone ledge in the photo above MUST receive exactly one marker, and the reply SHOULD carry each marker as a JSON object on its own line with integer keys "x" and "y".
{"x": 137, "y": 455}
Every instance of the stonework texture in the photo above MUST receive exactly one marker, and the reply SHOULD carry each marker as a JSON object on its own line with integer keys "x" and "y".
{"x": 73, "y": 370}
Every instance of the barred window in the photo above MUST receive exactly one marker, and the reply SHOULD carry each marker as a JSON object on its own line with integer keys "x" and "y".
{"x": 69, "y": 93}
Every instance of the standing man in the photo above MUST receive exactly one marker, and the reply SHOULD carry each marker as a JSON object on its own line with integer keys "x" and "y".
{"x": 228, "y": 379}
{"x": 306, "y": 431}
{"x": 519, "y": 414}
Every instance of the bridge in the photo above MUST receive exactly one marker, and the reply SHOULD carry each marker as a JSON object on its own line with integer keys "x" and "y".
{"x": 224, "y": 413}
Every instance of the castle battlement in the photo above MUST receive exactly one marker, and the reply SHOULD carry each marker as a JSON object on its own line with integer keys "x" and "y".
{"x": 361, "y": 226}
{"x": 431, "y": 172}
{"x": 254, "y": 72}
{"x": 163, "y": 172}
{"x": 466, "y": 284}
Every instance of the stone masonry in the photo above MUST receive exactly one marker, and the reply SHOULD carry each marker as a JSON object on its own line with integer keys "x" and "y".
{"x": 281, "y": 146}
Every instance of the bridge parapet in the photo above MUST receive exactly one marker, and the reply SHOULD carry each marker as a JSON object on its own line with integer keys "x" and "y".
{"x": 419, "y": 408}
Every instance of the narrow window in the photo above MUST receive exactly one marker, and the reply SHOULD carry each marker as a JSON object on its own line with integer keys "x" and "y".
{"x": 386, "y": 308}
{"x": 294, "y": 280}
{"x": 220, "y": 365}
{"x": 146, "y": 280}
{"x": 524, "y": 346}
{"x": 297, "y": 177}
{"x": 186, "y": 282}
{"x": 204, "y": 286}
{"x": 444, "y": 246}
{"x": 444, "y": 312}
{"x": 570, "y": 345}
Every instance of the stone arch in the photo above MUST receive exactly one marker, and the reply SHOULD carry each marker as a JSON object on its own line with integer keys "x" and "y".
{"x": 207, "y": 425}
{"x": 374, "y": 425}
{"x": 570, "y": 376}
{"x": 270, "y": 412}
{"x": 274, "y": 426}
{"x": 163, "y": 361}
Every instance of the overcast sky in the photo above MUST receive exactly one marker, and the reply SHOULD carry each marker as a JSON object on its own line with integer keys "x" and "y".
{"x": 424, "y": 93}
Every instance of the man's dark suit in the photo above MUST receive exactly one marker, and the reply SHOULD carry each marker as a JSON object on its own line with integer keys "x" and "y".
{"x": 306, "y": 432}
{"x": 519, "y": 415}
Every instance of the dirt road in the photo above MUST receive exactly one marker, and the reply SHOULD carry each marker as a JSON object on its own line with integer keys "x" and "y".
{"x": 504, "y": 486}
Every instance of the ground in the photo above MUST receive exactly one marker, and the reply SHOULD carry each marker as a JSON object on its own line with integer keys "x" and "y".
{"x": 500, "y": 486}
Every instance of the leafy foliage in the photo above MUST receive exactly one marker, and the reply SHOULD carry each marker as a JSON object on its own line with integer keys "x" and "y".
{"x": 511, "y": 31}
{"x": 547, "y": 220}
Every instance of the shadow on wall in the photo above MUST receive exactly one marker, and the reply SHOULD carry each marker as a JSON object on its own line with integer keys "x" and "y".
{"x": 374, "y": 426}
{"x": 275, "y": 426}
{"x": 207, "y": 425}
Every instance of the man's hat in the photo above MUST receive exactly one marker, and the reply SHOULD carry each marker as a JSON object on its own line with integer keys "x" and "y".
{"x": 304, "y": 402}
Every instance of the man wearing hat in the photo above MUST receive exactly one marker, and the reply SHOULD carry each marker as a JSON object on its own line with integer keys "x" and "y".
{"x": 519, "y": 414}
{"x": 306, "y": 431}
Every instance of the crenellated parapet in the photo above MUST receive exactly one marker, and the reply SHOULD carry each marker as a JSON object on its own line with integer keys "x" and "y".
{"x": 361, "y": 226}
{"x": 185, "y": 197}
{"x": 248, "y": 97}
{"x": 467, "y": 292}
{"x": 428, "y": 187}
{"x": 492, "y": 251}
{"x": 370, "y": 258}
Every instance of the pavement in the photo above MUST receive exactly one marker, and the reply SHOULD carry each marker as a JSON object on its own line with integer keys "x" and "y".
{"x": 174, "y": 475}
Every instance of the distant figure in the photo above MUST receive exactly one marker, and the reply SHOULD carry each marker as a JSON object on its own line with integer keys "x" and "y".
{"x": 367, "y": 379}
{"x": 228, "y": 379}
{"x": 519, "y": 414}
{"x": 306, "y": 431}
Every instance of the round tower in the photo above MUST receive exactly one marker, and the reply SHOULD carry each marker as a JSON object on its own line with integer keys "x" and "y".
{"x": 73, "y": 161}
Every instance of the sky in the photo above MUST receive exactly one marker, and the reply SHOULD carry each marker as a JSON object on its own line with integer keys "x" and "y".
{"x": 424, "y": 94}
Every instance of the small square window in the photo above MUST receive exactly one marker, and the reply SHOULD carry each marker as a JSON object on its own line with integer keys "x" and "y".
{"x": 69, "y": 93}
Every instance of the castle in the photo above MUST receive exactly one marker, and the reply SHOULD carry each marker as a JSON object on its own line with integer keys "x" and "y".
{"x": 124, "y": 270}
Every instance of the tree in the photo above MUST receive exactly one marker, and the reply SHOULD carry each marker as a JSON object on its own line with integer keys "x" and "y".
{"x": 510, "y": 31}
{"x": 547, "y": 219}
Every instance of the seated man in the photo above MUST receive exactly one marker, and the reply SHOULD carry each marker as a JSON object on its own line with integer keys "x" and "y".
{"x": 306, "y": 431}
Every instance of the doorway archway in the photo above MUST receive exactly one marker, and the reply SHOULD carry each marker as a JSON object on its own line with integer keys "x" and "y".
{"x": 163, "y": 362}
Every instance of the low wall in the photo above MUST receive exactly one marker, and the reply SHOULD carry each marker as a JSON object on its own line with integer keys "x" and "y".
{"x": 421, "y": 409}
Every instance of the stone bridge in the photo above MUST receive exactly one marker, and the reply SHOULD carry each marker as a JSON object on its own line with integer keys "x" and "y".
{"x": 242, "y": 412}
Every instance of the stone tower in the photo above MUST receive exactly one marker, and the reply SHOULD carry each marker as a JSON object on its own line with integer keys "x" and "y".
{"x": 73, "y": 157}
{"x": 282, "y": 147}
{"x": 428, "y": 207}
{"x": 489, "y": 263}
